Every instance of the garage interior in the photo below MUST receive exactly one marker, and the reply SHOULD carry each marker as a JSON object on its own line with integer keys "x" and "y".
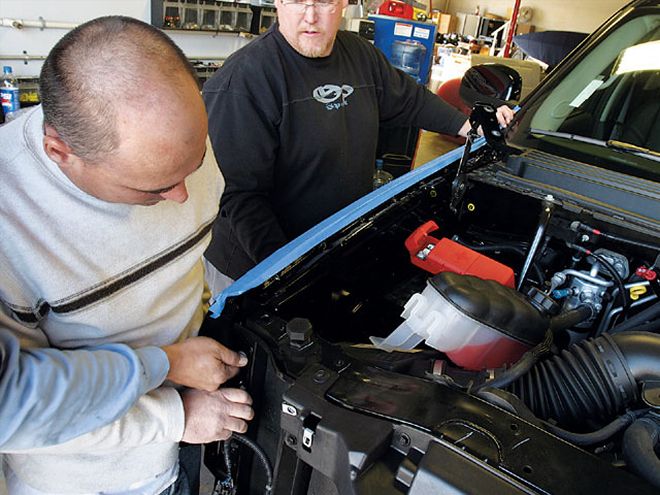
{"x": 530, "y": 36}
{"x": 467, "y": 33}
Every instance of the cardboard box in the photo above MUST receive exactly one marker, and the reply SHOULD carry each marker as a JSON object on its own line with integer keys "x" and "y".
{"x": 446, "y": 23}
{"x": 524, "y": 28}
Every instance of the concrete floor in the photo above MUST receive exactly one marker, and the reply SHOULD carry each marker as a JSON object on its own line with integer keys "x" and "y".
{"x": 3, "y": 486}
{"x": 206, "y": 481}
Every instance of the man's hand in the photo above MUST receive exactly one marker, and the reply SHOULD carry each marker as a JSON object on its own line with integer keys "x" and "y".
{"x": 211, "y": 416}
{"x": 504, "y": 115}
{"x": 202, "y": 363}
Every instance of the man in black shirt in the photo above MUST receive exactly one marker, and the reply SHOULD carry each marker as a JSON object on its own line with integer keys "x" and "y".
{"x": 294, "y": 118}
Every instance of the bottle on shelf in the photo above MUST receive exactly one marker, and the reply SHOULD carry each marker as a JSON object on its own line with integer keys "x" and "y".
{"x": 381, "y": 176}
{"x": 9, "y": 93}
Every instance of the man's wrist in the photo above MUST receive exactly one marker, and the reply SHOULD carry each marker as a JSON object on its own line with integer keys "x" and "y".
{"x": 155, "y": 366}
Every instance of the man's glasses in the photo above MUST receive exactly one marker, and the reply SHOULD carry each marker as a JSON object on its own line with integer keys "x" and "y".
{"x": 324, "y": 6}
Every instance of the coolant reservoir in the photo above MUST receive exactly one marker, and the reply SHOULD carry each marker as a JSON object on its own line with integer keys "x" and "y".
{"x": 478, "y": 323}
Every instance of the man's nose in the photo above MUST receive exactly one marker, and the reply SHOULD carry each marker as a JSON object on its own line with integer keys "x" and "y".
{"x": 310, "y": 13}
{"x": 178, "y": 193}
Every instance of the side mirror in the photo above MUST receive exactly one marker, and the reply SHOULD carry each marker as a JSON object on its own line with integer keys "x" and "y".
{"x": 490, "y": 83}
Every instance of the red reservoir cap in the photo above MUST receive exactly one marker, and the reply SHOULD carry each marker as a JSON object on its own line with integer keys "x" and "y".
{"x": 444, "y": 255}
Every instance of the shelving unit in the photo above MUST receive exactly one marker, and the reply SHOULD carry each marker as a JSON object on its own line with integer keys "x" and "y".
{"x": 213, "y": 16}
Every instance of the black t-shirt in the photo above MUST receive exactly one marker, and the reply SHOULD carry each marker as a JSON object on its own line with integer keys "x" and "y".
{"x": 296, "y": 137}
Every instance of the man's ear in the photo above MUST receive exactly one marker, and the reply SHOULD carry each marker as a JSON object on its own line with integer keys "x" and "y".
{"x": 57, "y": 150}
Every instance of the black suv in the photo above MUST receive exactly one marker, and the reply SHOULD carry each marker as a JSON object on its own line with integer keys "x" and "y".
{"x": 486, "y": 324}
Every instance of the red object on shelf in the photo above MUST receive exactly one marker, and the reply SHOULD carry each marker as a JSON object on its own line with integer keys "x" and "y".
{"x": 444, "y": 255}
{"x": 513, "y": 23}
{"x": 396, "y": 8}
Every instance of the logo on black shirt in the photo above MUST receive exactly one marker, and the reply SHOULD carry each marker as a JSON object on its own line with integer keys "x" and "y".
{"x": 328, "y": 94}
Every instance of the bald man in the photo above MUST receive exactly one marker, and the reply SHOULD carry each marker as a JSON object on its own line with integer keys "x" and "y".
{"x": 108, "y": 192}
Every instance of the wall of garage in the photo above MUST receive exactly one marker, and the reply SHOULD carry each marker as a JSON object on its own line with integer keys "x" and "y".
{"x": 567, "y": 15}
{"x": 562, "y": 15}
{"x": 37, "y": 42}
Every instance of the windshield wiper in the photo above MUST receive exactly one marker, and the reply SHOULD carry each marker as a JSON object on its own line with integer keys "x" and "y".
{"x": 636, "y": 150}
{"x": 612, "y": 143}
{"x": 570, "y": 137}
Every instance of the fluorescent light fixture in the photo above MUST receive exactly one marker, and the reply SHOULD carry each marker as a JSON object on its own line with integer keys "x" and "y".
{"x": 636, "y": 58}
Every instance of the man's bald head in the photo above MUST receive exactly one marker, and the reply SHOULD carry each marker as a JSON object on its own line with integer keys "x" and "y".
{"x": 100, "y": 66}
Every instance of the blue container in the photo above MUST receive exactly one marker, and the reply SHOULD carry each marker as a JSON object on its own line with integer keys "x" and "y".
{"x": 408, "y": 56}
{"x": 9, "y": 93}
{"x": 407, "y": 44}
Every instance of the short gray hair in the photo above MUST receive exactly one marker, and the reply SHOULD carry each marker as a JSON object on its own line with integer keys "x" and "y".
{"x": 94, "y": 66}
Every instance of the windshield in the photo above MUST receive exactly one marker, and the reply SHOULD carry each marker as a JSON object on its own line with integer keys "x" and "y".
{"x": 606, "y": 110}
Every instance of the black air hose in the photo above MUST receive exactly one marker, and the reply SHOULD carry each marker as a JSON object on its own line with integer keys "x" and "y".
{"x": 592, "y": 379}
{"x": 570, "y": 318}
{"x": 639, "y": 443}
{"x": 648, "y": 314}
{"x": 598, "y": 436}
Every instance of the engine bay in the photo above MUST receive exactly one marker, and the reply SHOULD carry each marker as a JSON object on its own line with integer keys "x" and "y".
{"x": 533, "y": 304}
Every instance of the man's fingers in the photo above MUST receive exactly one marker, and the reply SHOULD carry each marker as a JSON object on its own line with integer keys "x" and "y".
{"x": 236, "y": 395}
{"x": 227, "y": 356}
{"x": 213, "y": 377}
{"x": 224, "y": 373}
{"x": 235, "y": 424}
{"x": 202, "y": 363}
{"x": 504, "y": 115}
{"x": 211, "y": 416}
{"x": 221, "y": 352}
{"x": 240, "y": 411}
{"x": 222, "y": 436}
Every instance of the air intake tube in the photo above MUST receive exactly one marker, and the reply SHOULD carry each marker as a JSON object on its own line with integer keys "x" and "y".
{"x": 641, "y": 351}
{"x": 594, "y": 379}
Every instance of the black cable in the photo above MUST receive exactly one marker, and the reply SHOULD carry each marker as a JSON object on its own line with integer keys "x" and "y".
{"x": 504, "y": 247}
{"x": 227, "y": 456}
{"x": 579, "y": 226}
{"x": 228, "y": 482}
{"x": 261, "y": 455}
{"x": 521, "y": 367}
{"x": 598, "y": 436}
{"x": 619, "y": 281}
